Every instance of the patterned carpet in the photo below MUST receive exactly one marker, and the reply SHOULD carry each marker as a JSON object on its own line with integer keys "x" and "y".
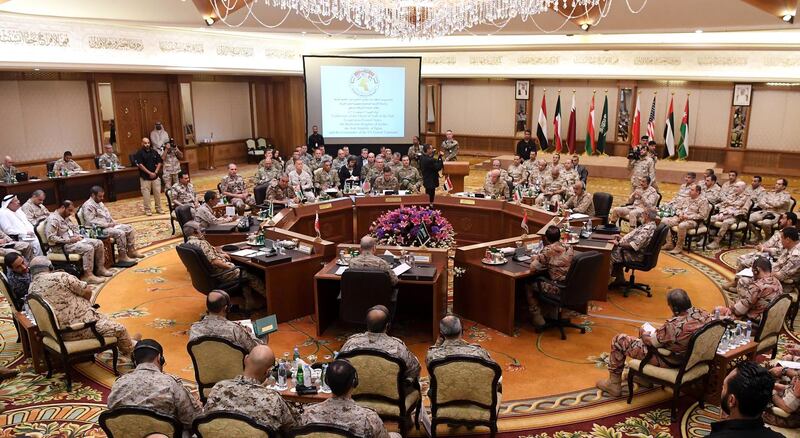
{"x": 548, "y": 383}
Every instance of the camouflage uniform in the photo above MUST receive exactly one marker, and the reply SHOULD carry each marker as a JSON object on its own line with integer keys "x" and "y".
{"x": 249, "y": 397}
{"x": 204, "y": 215}
{"x": 409, "y": 178}
{"x": 59, "y": 230}
{"x": 634, "y": 242}
{"x": 338, "y": 163}
{"x": 23, "y": 248}
{"x": 497, "y": 190}
{"x": 755, "y": 296}
{"x": 71, "y": 166}
{"x": 373, "y": 262}
{"x": 65, "y": 295}
{"x": 731, "y": 208}
{"x": 755, "y": 194}
{"x": 344, "y": 412}
{"x": 450, "y": 150}
{"x": 682, "y": 195}
{"x": 674, "y": 336}
{"x": 455, "y": 347}
{"x": 388, "y": 344}
{"x": 302, "y": 182}
{"x": 695, "y": 210}
{"x": 172, "y": 166}
{"x": 148, "y": 387}
{"x": 395, "y": 166}
{"x": 413, "y": 155}
{"x": 217, "y": 326}
{"x": 787, "y": 266}
{"x": 365, "y": 169}
{"x": 536, "y": 177}
{"x": 713, "y": 195}
{"x": 106, "y": 160}
{"x": 278, "y": 193}
{"x": 381, "y": 183}
{"x": 555, "y": 259}
{"x": 571, "y": 177}
{"x": 518, "y": 173}
{"x": 7, "y": 173}
{"x": 727, "y": 188}
{"x": 639, "y": 201}
{"x": 236, "y": 186}
{"x": 266, "y": 175}
{"x": 213, "y": 254}
{"x": 183, "y": 194}
{"x": 326, "y": 180}
{"x": 550, "y": 184}
{"x": 640, "y": 169}
{"x": 315, "y": 164}
{"x": 772, "y": 247}
{"x": 774, "y": 203}
{"x": 504, "y": 176}
{"x": 371, "y": 174}
{"x": 34, "y": 212}
{"x": 582, "y": 204}
{"x": 97, "y": 214}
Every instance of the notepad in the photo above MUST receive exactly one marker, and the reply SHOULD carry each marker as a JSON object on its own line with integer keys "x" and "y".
{"x": 577, "y": 216}
{"x": 648, "y": 328}
{"x": 230, "y": 211}
{"x": 746, "y": 272}
{"x": 402, "y": 267}
{"x": 341, "y": 270}
{"x": 245, "y": 253}
{"x": 789, "y": 364}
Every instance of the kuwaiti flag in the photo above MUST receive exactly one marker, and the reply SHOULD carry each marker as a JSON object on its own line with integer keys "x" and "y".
{"x": 591, "y": 146}
{"x": 636, "y": 125}
{"x": 557, "y": 126}
{"x": 683, "y": 145}
{"x": 669, "y": 131}
{"x": 571, "y": 127}
{"x": 601, "y": 136}
{"x": 651, "y": 121}
{"x": 448, "y": 185}
{"x": 541, "y": 129}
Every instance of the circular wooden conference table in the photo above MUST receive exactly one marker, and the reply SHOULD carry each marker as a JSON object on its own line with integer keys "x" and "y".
{"x": 308, "y": 284}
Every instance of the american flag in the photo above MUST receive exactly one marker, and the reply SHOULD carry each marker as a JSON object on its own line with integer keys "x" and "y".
{"x": 651, "y": 121}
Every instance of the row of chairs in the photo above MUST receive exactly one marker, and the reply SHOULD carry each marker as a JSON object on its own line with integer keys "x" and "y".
{"x": 256, "y": 148}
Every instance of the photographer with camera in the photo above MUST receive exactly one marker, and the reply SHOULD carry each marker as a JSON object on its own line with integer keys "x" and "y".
{"x": 172, "y": 157}
{"x": 641, "y": 163}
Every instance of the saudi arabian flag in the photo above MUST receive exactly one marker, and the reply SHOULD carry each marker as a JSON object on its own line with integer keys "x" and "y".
{"x": 669, "y": 132}
{"x": 601, "y": 136}
{"x": 683, "y": 145}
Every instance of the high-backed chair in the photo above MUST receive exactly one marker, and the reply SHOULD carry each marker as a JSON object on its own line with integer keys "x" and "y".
{"x": 253, "y": 151}
{"x": 695, "y": 365}
{"x": 741, "y": 225}
{"x": 226, "y": 424}
{"x": 260, "y": 193}
{"x": 183, "y": 214}
{"x": 319, "y": 430}
{"x": 5, "y": 290}
{"x": 203, "y": 277}
{"x": 382, "y": 386}
{"x": 356, "y": 299}
{"x": 50, "y": 166}
{"x": 137, "y": 422}
{"x": 59, "y": 259}
{"x": 171, "y": 207}
{"x": 572, "y": 291}
{"x": 97, "y": 162}
{"x": 214, "y": 359}
{"x": 464, "y": 390}
{"x": 650, "y": 252}
{"x": 769, "y": 329}
{"x": 602, "y": 205}
{"x": 67, "y": 351}
{"x": 262, "y": 143}
{"x": 700, "y": 230}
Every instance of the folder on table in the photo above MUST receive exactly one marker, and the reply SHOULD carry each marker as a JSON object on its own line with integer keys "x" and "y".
{"x": 265, "y": 325}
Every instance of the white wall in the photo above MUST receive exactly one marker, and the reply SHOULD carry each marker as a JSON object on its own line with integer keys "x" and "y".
{"x": 41, "y": 119}
{"x": 478, "y": 107}
{"x": 775, "y": 120}
{"x": 222, "y": 108}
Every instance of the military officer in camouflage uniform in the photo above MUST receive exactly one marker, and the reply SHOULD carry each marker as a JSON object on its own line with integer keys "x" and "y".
{"x": 34, "y": 208}
{"x": 553, "y": 187}
{"x": 640, "y": 168}
{"x": 711, "y": 190}
{"x": 66, "y": 163}
{"x": 733, "y": 206}
{"x": 728, "y": 186}
{"x": 368, "y": 260}
{"x": 316, "y": 160}
{"x": 496, "y": 188}
{"x": 517, "y": 171}
{"x": 386, "y": 181}
{"x": 758, "y": 295}
{"x": 530, "y": 162}
{"x": 340, "y": 160}
{"x": 267, "y": 172}
{"x": 536, "y": 176}
{"x": 326, "y": 178}
{"x": 772, "y": 204}
{"x": 183, "y": 193}
{"x": 374, "y": 171}
{"x": 282, "y": 191}
{"x": 246, "y": 394}
{"x": 772, "y": 247}
{"x": 221, "y": 263}
{"x": 556, "y": 163}
{"x": 414, "y": 152}
{"x": 450, "y": 146}
{"x": 786, "y": 267}
{"x": 570, "y": 176}
{"x": 70, "y": 300}
{"x": 450, "y": 343}
{"x": 691, "y": 212}
{"x": 365, "y": 168}
{"x": 204, "y": 214}
{"x": 23, "y": 248}
{"x": 684, "y": 190}
{"x": 215, "y": 323}
{"x": 234, "y": 189}
{"x": 395, "y": 164}
{"x": 755, "y": 190}
{"x": 340, "y": 410}
{"x": 674, "y": 336}
{"x": 629, "y": 246}
{"x": 302, "y": 182}
{"x": 60, "y": 230}
{"x": 8, "y": 172}
{"x": 95, "y": 213}
{"x": 496, "y": 165}
{"x": 409, "y": 176}
{"x": 171, "y": 156}
{"x": 554, "y": 260}
{"x": 148, "y": 386}
{"x": 109, "y": 158}
{"x": 645, "y": 196}
{"x": 581, "y": 201}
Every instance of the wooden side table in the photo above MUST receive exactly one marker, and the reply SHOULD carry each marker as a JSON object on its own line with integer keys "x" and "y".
{"x": 722, "y": 365}
{"x": 31, "y": 340}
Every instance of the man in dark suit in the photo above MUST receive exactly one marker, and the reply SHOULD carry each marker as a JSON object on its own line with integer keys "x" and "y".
{"x": 430, "y": 170}
{"x": 316, "y": 139}
{"x": 526, "y": 146}
{"x": 583, "y": 173}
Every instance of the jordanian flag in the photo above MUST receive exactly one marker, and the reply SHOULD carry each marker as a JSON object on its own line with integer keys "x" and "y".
{"x": 591, "y": 146}
{"x": 601, "y": 136}
{"x": 683, "y": 145}
{"x": 669, "y": 132}
{"x": 541, "y": 129}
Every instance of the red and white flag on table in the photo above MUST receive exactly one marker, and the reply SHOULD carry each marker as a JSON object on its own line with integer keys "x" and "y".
{"x": 448, "y": 185}
{"x": 524, "y": 223}
{"x": 316, "y": 223}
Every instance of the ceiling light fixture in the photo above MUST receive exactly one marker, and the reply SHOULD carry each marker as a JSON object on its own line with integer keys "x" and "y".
{"x": 789, "y": 18}
{"x": 209, "y": 21}
{"x": 585, "y": 27}
{"x": 699, "y": 31}
{"x": 783, "y": 84}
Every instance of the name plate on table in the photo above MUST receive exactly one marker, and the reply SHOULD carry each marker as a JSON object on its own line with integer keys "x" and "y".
{"x": 325, "y": 206}
{"x": 392, "y": 199}
{"x": 422, "y": 258}
{"x": 273, "y": 260}
{"x": 305, "y": 249}
{"x": 466, "y": 202}
{"x": 230, "y": 211}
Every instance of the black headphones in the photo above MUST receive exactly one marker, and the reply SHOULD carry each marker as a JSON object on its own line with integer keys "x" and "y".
{"x": 149, "y": 345}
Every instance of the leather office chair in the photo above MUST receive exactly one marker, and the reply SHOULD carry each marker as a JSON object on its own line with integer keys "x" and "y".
{"x": 136, "y": 422}
{"x": 97, "y": 162}
{"x": 260, "y": 193}
{"x": 602, "y": 205}
{"x": 183, "y": 214}
{"x": 320, "y": 430}
{"x": 362, "y": 289}
{"x": 573, "y": 290}
{"x": 50, "y": 165}
{"x": 769, "y": 329}
{"x": 214, "y": 360}
{"x": 201, "y": 273}
{"x": 650, "y": 252}
{"x": 226, "y": 424}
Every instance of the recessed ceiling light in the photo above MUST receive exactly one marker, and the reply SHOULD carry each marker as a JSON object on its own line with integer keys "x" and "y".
{"x": 209, "y": 20}
{"x": 585, "y": 27}
{"x": 36, "y": 69}
{"x": 303, "y": 32}
{"x": 699, "y": 31}
{"x": 789, "y": 18}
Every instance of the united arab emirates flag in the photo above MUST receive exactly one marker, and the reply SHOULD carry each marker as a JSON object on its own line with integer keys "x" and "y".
{"x": 591, "y": 146}
{"x": 601, "y": 136}
{"x": 683, "y": 145}
{"x": 669, "y": 132}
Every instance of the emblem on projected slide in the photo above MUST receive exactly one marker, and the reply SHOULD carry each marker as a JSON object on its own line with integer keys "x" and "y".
{"x": 364, "y": 82}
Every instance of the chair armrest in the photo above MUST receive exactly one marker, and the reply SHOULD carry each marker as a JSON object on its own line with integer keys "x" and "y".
{"x": 651, "y": 353}
{"x": 82, "y": 325}
{"x": 219, "y": 274}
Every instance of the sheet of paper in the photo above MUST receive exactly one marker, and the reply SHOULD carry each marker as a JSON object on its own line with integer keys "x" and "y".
{"x": 389, "y": 253}
{"x": 341, "y": 270}
{"x": 230, "y": 211}
{"x": 245, "y": 253}
{"x": 647, "y": 327}
{"x": 576, "y": 216}
{"x": 246, "y": 323}
{"x": 747, "y": 272}
{"x": 402, "y": 267}
{"x": 403, "y": 192}
{"x": 789, "y": 364}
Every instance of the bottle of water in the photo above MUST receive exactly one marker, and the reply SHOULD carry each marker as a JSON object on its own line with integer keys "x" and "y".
{"x": 323, "y": 383}
{"x": 716, "y": 314}
{"x": 296, "y": 354}
{"x": 748, "y": 331}
{"x": 282, "y": 375}
{"x": 335, "y": 355}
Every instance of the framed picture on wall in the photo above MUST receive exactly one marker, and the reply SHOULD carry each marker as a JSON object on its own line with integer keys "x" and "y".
{"x": 741, "y": 94}
{"x": 523, "y": 90}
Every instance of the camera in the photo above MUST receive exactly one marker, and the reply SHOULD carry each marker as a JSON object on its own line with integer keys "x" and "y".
{"x": 635, "y": 153}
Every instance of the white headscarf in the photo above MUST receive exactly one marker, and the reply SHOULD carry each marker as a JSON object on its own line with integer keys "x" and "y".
{"x": 7, "y": 200}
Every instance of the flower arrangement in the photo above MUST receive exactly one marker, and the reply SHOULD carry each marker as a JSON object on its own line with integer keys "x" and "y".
{"x": 413, "y": 226}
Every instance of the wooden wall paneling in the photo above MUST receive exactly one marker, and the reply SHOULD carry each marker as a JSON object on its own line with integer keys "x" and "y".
{"x": 262, "y": 126}
{"x": 94, "y": 106}
{"x": 175, "y": 113}
{"x": 128, "y": 114}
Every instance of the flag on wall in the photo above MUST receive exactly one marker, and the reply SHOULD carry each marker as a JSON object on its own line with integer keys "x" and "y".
{"x": 601, "y": 136}
{"x": 636, "y": 124}
{"x": 541, "y": 129}
{"x": 683, "y": 144}
{"x": 651, "y": 121}
{"x": 571, "y": 128}
{"x": 557, "y": 126}
{"x": 591, "y": 146}
{"x": 669, "y": 132}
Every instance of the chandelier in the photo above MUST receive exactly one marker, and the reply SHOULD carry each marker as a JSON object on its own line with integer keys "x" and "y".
{"x": 406, "y": 19}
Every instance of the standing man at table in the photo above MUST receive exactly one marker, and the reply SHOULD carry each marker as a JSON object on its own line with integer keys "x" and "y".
{"x": 526, "y": 146}
{"x": 34, "y": 208}
{"x": 450, "y": 146}
{"x": 149, "y": 163}
{"x": 108, "y": 159}
{"x": 171, "y": 156}
{"x": 95, "y": 213}
{"x": 159, "y": 137}
{"x": 430, "y": 170}
{"x": 316, "y": 139}
{"x": 66, "y": 163}
{"x": 8, "y": 173}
